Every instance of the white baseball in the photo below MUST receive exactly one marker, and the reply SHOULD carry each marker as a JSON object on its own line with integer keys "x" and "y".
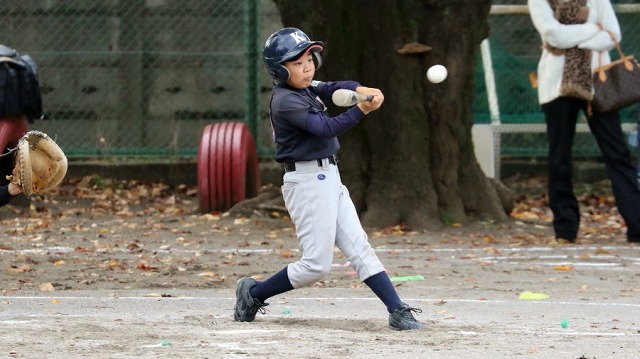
{"x": 437, "y": 74}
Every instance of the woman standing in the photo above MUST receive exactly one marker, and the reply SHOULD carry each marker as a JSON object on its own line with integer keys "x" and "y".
{"x": 577, "y": 36}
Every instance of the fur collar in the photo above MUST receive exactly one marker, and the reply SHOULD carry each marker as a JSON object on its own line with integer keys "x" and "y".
{"x": 576, "y": 76}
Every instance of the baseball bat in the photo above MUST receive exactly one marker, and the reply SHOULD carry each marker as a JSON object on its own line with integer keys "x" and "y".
{"x": 347, "y": 98}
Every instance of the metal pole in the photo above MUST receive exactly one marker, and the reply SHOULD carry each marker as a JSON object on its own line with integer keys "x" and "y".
{"x": 490, "y": 82}
{"x": 251, "y": 35}
{"x": 492, "y": 99}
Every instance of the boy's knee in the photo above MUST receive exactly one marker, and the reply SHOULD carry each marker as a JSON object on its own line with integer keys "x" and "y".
{"x": 312, "y": 273}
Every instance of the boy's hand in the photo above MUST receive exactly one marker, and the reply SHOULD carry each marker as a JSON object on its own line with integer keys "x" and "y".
{"x": 368, "y": 106}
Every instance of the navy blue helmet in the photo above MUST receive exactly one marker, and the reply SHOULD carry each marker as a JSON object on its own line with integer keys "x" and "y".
{"x": 285, "y": 45}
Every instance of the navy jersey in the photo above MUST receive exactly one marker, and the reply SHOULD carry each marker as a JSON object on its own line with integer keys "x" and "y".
{"x": 302, "y": 128}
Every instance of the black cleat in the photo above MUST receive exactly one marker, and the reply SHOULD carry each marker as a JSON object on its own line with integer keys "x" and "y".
{"x": 246, "y": 306}
{"x": 402, "y": 318}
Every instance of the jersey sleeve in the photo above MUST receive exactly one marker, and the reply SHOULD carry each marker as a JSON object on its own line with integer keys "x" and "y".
{"x": 321, "y": 125}
{"x": 297, "y": 111}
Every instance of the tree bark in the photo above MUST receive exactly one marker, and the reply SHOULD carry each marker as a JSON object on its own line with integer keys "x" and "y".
{"x": 411, "y": 162}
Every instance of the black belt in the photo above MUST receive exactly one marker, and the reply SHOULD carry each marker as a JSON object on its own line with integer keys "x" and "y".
{"x": 291, "y": 166}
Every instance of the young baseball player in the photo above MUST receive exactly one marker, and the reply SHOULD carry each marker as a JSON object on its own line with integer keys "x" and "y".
{"x": 317, "y": 201}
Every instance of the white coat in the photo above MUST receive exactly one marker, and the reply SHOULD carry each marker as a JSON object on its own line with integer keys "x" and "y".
{"x": 585, "y": 36}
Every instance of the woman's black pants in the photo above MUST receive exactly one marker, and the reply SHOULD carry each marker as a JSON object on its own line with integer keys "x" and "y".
{"x": 561, "y": 116}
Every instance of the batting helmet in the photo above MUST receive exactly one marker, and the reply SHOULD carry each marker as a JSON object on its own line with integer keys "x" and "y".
{"x": 285, "y": 45}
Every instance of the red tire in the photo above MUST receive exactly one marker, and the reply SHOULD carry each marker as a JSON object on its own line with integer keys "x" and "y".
{"x": 247, "y": 181}
{"x": 228, "y": 170}
{"x": 215, "y": 162}
{"x": 227, "y": 166}
{"x": 203, "y": 169}
{"x": 217, "y": 158}
{"x": 237, "y": 167}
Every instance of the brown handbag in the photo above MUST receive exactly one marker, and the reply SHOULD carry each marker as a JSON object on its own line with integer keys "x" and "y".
{"x": 617, "y": 84}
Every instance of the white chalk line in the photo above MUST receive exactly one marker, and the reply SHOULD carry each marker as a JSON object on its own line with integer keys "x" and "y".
{"x": 248, "y": 331}
{"x": 595, "y": 334}
{"x": 621, "y": 263}
{"x": 324, "y": 299}
{"x": 612, "y": 262}
{"x": 548, "y": 333}
{"x": 576, "y": 248}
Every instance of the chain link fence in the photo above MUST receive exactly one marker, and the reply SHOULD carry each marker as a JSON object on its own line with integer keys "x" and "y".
{"x": 131, "y": 78}
{"x": 138, "y": 77}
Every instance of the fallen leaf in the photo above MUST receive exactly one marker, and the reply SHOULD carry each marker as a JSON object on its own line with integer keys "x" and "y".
{"x": 207, "y": 274}
{"x": 46, "y": 287}
{"x": 563, "y": 267}
{"x": 488, "y": 239}
{"x": 146, "y": 267}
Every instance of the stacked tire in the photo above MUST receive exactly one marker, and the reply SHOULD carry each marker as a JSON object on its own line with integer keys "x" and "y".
{"x": 227, "y": 166}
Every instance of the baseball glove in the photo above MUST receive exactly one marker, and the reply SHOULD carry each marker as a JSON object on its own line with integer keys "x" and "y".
{"x": 40, "y": 164}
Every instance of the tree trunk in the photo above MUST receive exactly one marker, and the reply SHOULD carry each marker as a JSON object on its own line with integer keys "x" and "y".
{"x": 412, "y": 161}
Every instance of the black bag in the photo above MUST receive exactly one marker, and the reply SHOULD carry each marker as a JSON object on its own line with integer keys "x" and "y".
{"x": 616, "y": 85}
{"x": 19, "y": 86}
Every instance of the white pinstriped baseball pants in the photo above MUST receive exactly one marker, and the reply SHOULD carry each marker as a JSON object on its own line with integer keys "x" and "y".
{"x": 325, "y": 217}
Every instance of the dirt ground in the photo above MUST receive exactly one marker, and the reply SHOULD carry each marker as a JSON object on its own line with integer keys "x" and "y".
{"x": 117, "y": 238}
{"x": 100, "y": 234}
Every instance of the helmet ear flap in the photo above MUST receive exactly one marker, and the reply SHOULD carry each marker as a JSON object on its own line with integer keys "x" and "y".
{"x": 318, "y": 59}
{"x": 279, "y": 74}
{"x": 283, "y": 74}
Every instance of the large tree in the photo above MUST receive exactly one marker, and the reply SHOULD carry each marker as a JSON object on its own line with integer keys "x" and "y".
{"x": 411, "y": 162}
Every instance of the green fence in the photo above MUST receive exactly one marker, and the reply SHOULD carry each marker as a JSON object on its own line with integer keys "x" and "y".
{"x": 143, "y": 77}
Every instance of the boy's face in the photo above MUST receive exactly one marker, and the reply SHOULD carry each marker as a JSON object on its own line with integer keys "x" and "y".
{"x": 301, "y": 71}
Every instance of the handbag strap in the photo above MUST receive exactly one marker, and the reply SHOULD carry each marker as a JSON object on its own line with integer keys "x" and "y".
{"x": 600, "y": 70}
{"x": 616, "y": 43}
{"x": 617, "y": 47}
{"x": 627, "y": 63}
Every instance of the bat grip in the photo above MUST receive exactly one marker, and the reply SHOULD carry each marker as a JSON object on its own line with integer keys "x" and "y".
{"x": 369, "y": 98}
